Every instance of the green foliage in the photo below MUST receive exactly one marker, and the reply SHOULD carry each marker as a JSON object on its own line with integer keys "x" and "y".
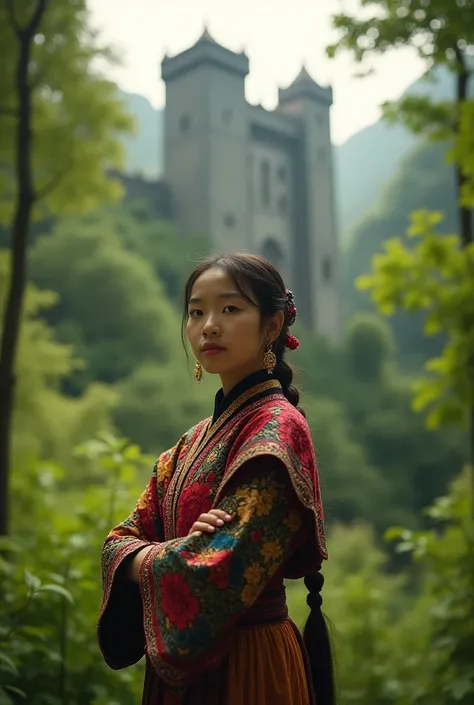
{"x": 406, "y": 638}
{"x": 463, "y": 152}
{"x": 435, "y": 276}
{"x": 118, "y": 303}
{"x": 441, "y": 32}
{"x": 158, "y": 403}
{"x": 45, "y": 422}
{"x": 77, "y": 115}
{"x": 370, "y": 346}
{"x": 376, "y": 458}
{"x": 437, "y": 29}
{"x": 50, "y": 582}
{"x": 424, "y": 182}
{"x": 352, "y": 486}
{"x": 379, "y": 642}
{"x": 111, "y": 307}
{"x": 171, "y": 255}
{"x": 445, "y": 558}
{"x": 420, "y": 115}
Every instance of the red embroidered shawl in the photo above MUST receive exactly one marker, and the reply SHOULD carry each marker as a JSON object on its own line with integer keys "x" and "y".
{"x": 255, "y": 461}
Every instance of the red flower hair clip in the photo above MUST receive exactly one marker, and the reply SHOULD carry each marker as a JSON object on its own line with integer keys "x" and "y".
{"x": 291, "y": 342}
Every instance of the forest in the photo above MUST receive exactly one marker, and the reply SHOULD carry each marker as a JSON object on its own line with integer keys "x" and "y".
{"x": 95, "y": 381}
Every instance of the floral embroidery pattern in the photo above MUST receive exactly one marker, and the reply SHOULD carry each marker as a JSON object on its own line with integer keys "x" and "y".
{"x": 184, "y": 614}
{"x": 179, "y": 605}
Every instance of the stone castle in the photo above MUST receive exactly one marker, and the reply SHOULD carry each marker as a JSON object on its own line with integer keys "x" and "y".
{"x": 255, "y": 180}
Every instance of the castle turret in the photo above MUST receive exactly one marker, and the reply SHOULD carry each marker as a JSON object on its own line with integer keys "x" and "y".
{"x": 206, "y": 140}
{"x": 318, "y": 257}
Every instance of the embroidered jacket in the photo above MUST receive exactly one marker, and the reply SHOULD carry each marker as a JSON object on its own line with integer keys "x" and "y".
{"x": 253, "y": 459}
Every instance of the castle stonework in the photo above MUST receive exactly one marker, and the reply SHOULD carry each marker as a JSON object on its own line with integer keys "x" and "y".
{"x": 256, "y": 180}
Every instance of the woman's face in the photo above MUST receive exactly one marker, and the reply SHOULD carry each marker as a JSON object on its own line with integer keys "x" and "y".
{"x": 224, "y": 329}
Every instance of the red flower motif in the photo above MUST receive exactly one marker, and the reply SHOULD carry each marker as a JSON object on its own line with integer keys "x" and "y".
{"x": 295, "y": 433}
{"x": 194, "y": 500}
{"x": 178, "y": 603}
{"x": 256, "y": 536}
{"x": 220, "y": 571}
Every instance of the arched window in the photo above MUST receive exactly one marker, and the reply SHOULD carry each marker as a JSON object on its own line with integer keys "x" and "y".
{"x": 327, "y": 269}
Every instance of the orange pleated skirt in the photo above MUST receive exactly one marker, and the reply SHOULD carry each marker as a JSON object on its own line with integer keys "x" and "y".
{"x": 266, "y": 667}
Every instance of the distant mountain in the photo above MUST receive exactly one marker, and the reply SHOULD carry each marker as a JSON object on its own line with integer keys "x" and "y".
{"x": 376, "y": 152}
{"x": 144, "y": 149}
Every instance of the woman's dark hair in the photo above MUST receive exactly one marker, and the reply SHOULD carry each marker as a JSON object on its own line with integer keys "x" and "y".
{"x": 317, "y": 640}
{"x": 259, "y": 283}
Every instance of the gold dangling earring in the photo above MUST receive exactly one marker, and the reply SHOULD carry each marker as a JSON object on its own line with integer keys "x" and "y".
{"x": 269, "y": 359}
{"x": 198, "y": 371}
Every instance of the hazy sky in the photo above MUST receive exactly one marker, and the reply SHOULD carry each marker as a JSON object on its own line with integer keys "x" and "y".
{"x": 278, "y": 35}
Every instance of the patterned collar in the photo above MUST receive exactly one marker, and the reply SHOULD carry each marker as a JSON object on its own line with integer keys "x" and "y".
{"x": 223, "y": 402}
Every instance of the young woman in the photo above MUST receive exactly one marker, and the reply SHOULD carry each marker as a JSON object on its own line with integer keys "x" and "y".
{"x": 194, "y": 577}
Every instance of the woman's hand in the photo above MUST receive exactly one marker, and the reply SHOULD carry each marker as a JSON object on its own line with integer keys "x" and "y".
{"x": 209, "y": 522}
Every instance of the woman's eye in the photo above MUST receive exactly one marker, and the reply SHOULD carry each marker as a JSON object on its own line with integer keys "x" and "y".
{"x": 230, "y": 309}
{"x": 195, "y": 312}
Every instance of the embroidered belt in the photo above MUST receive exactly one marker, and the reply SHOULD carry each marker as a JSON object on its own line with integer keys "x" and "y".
{"x": 270, "y": 607}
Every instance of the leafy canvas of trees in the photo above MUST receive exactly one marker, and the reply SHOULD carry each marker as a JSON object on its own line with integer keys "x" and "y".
{"x": 101, "y": 384}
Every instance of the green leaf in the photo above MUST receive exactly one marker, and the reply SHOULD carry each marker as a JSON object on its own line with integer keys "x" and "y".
{"x": 461, "y": 687}
{"x": 10, "y": 666}
{"x": 16, "y": 691}
{"x": 32, "y": 581}
{"x": 58, "y": 590}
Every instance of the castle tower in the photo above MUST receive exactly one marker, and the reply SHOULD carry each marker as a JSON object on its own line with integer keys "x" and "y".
{"x": 318, "y": 252}
{"x": 206, "y": 141}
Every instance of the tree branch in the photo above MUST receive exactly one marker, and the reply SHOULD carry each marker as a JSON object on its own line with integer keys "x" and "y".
{"x": 460, "y": 60}
{"x": 28, "y": 30}
{"x": 11, "y": 13}
{"x": 52, "y": 183}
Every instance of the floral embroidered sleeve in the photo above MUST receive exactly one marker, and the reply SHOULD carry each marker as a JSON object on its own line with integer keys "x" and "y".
{"x": 120, "y": 629}
{"x": 194, "y": 589}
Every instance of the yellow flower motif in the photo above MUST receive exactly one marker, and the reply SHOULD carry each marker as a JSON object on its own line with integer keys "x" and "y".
{"x": 248, "y": 501}
{"x": 143, "y": 500}
{"x": 244, "y": 511}
{"x": 293, "y": 521}
{"x": 250, "y": 594}
{"x": 253, "y": 574}
{"x": 271, "y": 550}
{"x": 258, "y": 501}
{"x": 265, "y": 502}
{"x": 129, "y": 530}
{"x": 242, "y": 493}
{"x": 164, "y": 469}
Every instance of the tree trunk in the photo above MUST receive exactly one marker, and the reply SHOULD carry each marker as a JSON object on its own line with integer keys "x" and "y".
{"x": 466, "y": 233}
{"x": 465, "y": 214}
{"x": 19, "y": 238}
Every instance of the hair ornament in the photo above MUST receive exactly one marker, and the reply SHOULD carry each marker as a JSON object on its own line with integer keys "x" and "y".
{"x": 291, "y": 342}
{"x": 290, "y": 307}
